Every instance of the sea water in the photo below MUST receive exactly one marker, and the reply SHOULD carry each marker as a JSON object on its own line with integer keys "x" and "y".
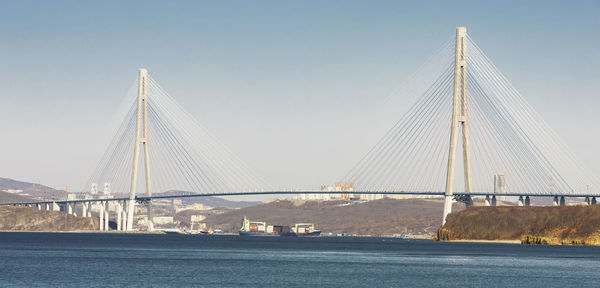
{"x": 171, "y": 260}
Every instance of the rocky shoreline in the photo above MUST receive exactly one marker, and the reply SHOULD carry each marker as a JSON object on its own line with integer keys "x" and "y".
{"x": 14, "y": 218}
{"x": 564, "y": 225}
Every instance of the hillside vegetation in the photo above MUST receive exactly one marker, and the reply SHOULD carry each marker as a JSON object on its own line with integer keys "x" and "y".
{"x": 532, "y": 225}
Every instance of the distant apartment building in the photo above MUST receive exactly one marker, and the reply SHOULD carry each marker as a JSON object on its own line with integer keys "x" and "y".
{"x": 341, "y": 191}
{"x": 196, "y": 206}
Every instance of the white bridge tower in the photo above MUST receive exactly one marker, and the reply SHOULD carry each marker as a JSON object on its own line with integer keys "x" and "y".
{"x": 459, "y": 118}
{"x": 141, "y": 139}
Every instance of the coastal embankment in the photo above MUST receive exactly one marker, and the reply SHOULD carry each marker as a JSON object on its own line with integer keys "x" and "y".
{"x": 562, "y": 225}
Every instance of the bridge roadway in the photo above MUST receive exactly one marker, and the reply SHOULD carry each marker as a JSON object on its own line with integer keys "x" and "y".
{"x": 143, "y": 198}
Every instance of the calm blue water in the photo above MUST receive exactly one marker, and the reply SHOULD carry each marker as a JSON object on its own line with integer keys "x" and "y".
{"x": 137, "y": 260}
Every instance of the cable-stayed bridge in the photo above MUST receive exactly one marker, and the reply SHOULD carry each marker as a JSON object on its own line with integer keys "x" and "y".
{"x": 505, "y": 148}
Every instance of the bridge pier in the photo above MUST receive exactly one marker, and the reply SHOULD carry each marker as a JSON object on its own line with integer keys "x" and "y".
{"x": 38, "y": 206}
{"x": 55, "y": 207}
{"x": 89, "y": 209}
{"x": 69, "y": 208}
{"x": 124, "y": 218}
{"x": 527, "y": 201}
{"x": 594, "y": 201}
{"x": 494, "y": 203}
{"x": 562, "y": 200}
{"x": 106, "y": 215}
{"x": 101, "y": 216}
{"x": 119, "y": 215}
{"x": 487, "y": 200}
{"x": 587, "y": 201}
{"x": 84, "y": 209}
{"x": 520, "y": 202}
{"x": 555, "y": 201}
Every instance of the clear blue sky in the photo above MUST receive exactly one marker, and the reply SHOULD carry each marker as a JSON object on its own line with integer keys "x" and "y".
{"x": 294, "y": 88}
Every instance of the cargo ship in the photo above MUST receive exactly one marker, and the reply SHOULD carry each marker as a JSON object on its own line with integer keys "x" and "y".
{"x": 303, "y": 230}
{"x": 256, "y": 228}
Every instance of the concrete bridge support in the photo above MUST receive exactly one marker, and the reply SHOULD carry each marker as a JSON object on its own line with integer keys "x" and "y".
{"x": 587, "y": 201}
{"x": 55, "y": 207}
{"x": 69, "y": 209}
{"x": 562, "y": 200}
{"x": 594, "y": 201}
{"x": 89, "y": 209}
{"x": 527, "y": 201}
{"x": 119, "y": 215}
{"x": 101, "y": 216}
{"x": 106, "y": 215}
{"x": 84, "y": 209}
{"x": 555, "y": 201}
{"x": 38, "y": 206}
{"x": 521, "y": 202}
{"x": 124, "y": 217}
{"x": 490, "y": 201}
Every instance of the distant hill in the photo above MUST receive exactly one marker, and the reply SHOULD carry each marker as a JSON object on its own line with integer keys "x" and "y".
{"x": 6, "y": 183}
{"x": 30, "y": 191}
{"x": 210, "y": 201}
{"x": 6, "y": 197}
{"x": 380, "y": 217}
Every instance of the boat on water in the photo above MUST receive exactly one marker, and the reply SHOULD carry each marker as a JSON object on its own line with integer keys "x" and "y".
{"x": 256, "y": 228}
{"x": 303, "y": 230}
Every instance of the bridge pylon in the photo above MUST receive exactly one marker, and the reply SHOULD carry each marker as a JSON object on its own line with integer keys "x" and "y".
{"x": 141, "y": 139}
{"x": 459, "y": 118}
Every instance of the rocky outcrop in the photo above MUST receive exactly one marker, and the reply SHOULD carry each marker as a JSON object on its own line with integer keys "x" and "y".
{"x": 566, "y": 225}
{"x": 14, "y": 218}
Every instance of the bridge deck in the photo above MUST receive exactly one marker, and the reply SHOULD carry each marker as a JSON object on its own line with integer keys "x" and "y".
{"x": 146, "y": 198}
